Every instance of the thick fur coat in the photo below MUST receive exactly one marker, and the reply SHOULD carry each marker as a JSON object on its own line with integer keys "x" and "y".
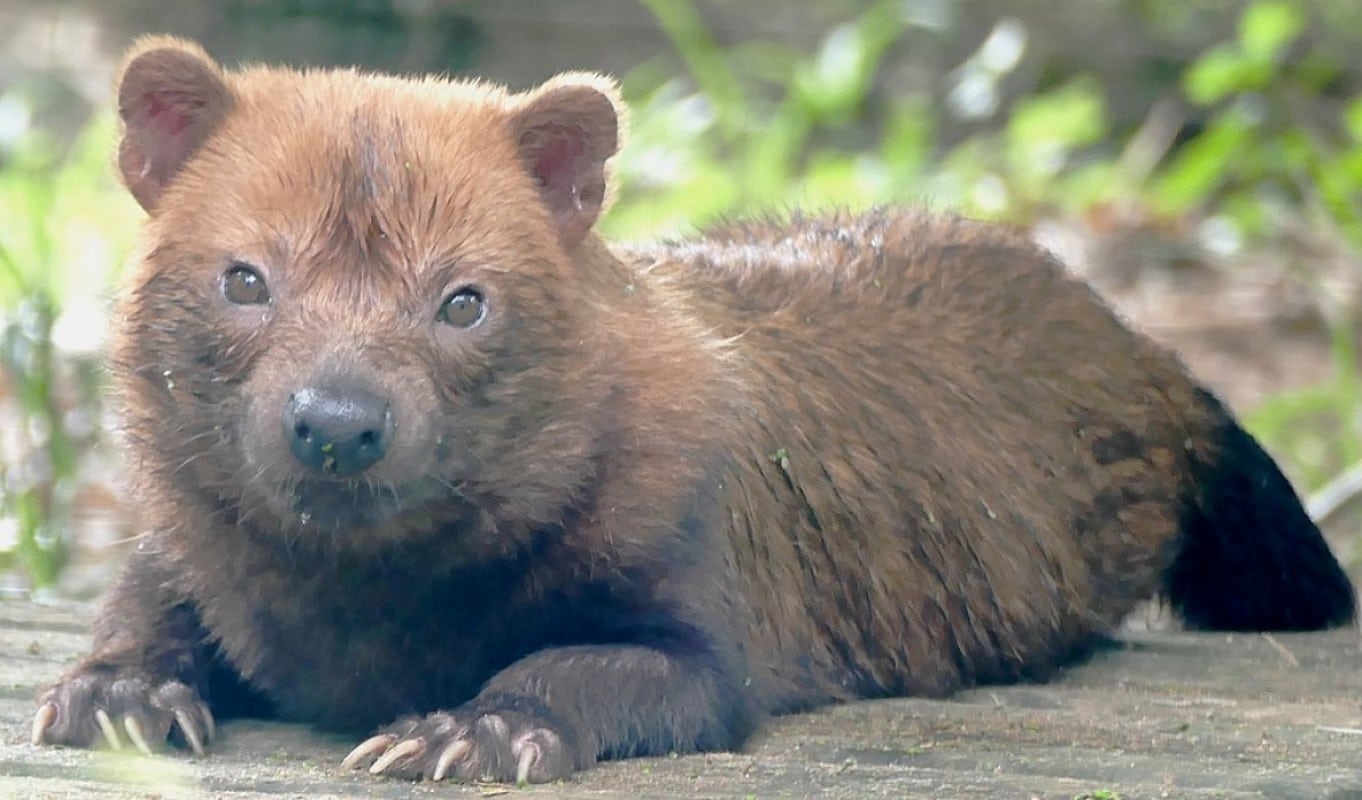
{"x": 412, "y": 447}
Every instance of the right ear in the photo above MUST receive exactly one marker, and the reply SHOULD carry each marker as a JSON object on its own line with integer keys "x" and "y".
{"x": 171, "y": 95}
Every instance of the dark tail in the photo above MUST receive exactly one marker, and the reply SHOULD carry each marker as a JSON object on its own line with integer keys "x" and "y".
{"x": 1251, "y": 558}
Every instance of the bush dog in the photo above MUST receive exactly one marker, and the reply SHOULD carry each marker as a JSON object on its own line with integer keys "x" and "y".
{"x": 412, "y": 447}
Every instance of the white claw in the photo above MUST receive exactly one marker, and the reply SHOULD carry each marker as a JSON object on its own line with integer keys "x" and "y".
{"x": 47, "y": 714}
{"x": 209, "y": 724}
{"x": 107, "y": 727}
{"x": 190, "y": 731}
{"x": 528, "y": 755}
{"x": 452, "y": 753}
{"x": 369, "y": 747}
{"x": 134, "y": 730}
{"x": 404, "y": 748}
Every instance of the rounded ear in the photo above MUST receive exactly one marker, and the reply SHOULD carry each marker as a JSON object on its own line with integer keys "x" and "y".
{"x": 171, "y": 96}
{"x": 566, "y": 131}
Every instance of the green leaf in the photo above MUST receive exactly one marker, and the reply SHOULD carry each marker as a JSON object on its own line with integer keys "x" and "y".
{"x": 836, "y": 82}
{"x": 13, "y": 281}
{"x": 1247, "y": 212}
{"x": 836, "y": 179}
{"x": 1203, "y": 165}
{"x": 1045, "y": 129}
{"x": 1073, "y": 114}
{"x": 910, "y": 133}
{"x": 707, "y": 62}
{"x": 1222, "y": 71}
{"x": 1086, "y": 185}
{"x": 1339, "y": 186}
{"x": 1352, "y": 119}
{"x": 831, "y": 83}
{"x": 1290, "y": 152}
{"x": 1269, "y": 26}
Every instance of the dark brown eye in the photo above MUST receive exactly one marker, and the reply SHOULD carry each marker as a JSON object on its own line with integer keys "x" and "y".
{"x": 242, "y": 284}
{"x": 463, "y": 309}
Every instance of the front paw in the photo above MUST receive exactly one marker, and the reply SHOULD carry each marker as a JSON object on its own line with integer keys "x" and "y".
{"x": 476, "y": 745}
{"x": 99, "y": 707}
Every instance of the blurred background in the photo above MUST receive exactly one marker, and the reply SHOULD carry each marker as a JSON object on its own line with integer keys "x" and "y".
{"x": 1200, "y": 161}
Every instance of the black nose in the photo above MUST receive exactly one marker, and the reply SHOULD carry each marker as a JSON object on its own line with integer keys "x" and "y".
{"x": 338, "y": 432}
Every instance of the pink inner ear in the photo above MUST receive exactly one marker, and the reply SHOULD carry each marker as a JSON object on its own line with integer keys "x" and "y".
{"x": 570, "y": 178}
{"x": 169, "y": 99}
{"x": 160, "y": 136}
{"x": 169, "y": 112}
{"x": 557, "y": 160}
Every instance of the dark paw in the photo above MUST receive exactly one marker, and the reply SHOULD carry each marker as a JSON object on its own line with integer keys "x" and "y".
{"x": 497, "y": 746}
{"x": 105, "y": 709}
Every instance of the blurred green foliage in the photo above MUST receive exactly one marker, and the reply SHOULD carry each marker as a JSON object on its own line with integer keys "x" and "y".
{"x": 1264, "y": 150}
{"x": 758, "y": 126}
{"x": 65, "y": 229}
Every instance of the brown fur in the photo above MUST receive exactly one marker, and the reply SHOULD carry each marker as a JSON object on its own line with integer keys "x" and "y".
{"x": 659, "y": 491}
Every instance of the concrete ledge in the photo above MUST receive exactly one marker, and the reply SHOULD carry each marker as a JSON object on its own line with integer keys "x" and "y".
{"x": 1172, "y": 715}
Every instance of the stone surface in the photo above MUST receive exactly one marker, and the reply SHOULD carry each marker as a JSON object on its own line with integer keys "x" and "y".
{"x": 1160, "y": 714}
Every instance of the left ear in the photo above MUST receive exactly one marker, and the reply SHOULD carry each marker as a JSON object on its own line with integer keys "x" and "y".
{"x": 566, "y": 131}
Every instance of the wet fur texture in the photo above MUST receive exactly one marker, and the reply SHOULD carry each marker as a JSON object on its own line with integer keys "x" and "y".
{"x": 661, "y": 491}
